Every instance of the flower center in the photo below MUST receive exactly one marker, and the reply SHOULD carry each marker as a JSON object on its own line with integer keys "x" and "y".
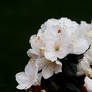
{"x": 42, "y": 49}
{"x": 57, "y": 48}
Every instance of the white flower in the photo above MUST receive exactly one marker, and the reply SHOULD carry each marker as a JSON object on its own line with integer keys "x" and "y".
{"x": 49, "y": 68}
{"x": 29, "y": 77}
{"x": 63, "y": 37}
{"x": 84, "y": 68}
{"x": 56, "y": 40}
{"x": 88, "y": 84}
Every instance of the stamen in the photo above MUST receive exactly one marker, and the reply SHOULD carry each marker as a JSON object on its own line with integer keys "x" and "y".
{"x": 38, "y": 37}
{"x": 59, "y": 31}
{"x": 42, "y": 49}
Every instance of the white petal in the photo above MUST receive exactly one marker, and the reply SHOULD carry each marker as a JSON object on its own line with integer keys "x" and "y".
{"x": 48, "y": 71}
{"x": 41, "y": 62}
{"x": 24, "y": 86}
{"x": 21, "y": 77}
{"x": 62, "y": 53}
{"x": 58, "y": 67}
{"x": 31, "y": 69}
{"x": 32, "y": 53}
{"x": 80, "y": 73}
{"x": 20, "y": 87}
{"x": 88, "y": 84}
{"x": 80, "y": 46}
{"x": 32, "y": 40}
{"x": 39, "y": 79}
{"x": 50, "y": 56}
{"x": 58, "y": 62}
{"x": 23, "y": 80}
{"x": 29, "y": 77}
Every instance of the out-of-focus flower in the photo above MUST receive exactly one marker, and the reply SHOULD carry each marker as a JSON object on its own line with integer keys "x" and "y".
{"x": 88, "y": 84}
{"x": 84, "y": 68}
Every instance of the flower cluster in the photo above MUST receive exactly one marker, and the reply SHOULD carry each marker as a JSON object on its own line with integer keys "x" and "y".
{"x": 55, "y": 43}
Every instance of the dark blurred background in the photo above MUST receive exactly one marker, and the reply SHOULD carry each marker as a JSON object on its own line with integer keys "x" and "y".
{"x": 19, "y": 19}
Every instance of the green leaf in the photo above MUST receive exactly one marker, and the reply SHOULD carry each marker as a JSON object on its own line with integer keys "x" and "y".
{"x": 69, "y": 68}
{"x": 75, "y": 58}
{"x": 72, "y": 87}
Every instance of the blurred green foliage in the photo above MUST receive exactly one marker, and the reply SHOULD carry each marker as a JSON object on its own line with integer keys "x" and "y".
{"x": 19, "y": 19}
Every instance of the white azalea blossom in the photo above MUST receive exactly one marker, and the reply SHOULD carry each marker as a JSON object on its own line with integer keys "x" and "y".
{"x": 56, "y": 39}
{"x": 55, "y": 44}
{"x": 29, "y": 77}
{"x": 67, "y": 34}
{"x": 88, "y": 84}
